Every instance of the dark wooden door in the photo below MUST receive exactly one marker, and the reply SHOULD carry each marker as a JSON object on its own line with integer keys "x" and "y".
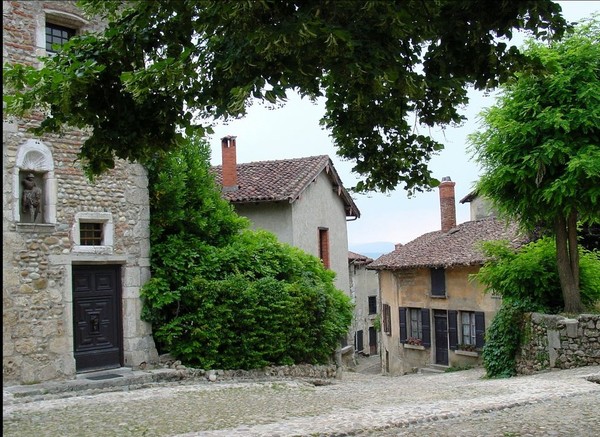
{"x": 97, "y": 317}
{"x": 441, "y": 337}
{"x": 358, "y": 341}
{"x": 372, "y": 341}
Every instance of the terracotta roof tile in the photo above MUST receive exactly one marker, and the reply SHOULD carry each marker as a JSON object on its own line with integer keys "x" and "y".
{"x": 458, "y": 246}
{"x": 282, "y": 180}
{"x": 358, "y": 258}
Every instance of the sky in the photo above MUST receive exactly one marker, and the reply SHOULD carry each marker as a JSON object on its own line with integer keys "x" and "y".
{"x": 293, "y": 131}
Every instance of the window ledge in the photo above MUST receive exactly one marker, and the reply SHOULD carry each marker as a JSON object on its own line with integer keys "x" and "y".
{"x": 413, "y": 346}
{"x": 435, "y": 296}
{"x": 466, "y": 353}
{"x": 36, "y": 227}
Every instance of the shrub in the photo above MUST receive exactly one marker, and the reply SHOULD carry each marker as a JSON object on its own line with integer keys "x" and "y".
{"x": 223, "y": 296}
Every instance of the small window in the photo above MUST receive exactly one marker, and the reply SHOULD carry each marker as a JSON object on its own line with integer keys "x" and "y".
{"x": 467, "y": 323}
{"x": 324, "y": 246}
{"x": 90, "y": 234}
{"x": 438, "y": 282}
{"x": 57, "y": 36}
{"x": 372, "y": 304}
{"x": 93, "y": 232}
{"x": 415, "y": 328}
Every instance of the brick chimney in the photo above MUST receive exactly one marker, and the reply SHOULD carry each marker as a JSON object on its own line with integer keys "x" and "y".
{"x": 447, "y": 204}
{"x": 228, "y": 153}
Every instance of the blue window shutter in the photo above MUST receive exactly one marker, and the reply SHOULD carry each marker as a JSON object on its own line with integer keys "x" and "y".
{"x": 403, "y": 333}
{"x": 479, "y": 329}
{"x": 426, "y": 326}
{"x": 452, "y": 329}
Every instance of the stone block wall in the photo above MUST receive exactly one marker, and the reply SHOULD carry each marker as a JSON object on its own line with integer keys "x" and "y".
{"x": 557, "y": 342}
{"x": 38, "y": 256}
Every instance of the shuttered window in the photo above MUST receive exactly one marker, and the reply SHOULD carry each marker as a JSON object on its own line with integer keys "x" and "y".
{"x": 415, "y": 326}
{"x": 386, "y": 319}
{"x": 466, "y": 328}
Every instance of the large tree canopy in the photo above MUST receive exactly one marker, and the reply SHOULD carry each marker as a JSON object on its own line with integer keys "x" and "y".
{"x": 385, "y": 69}
{"x": 540, "y": 147}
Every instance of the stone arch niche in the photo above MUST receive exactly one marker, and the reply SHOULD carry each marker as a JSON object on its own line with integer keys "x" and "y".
{"x": 34, "y": 157}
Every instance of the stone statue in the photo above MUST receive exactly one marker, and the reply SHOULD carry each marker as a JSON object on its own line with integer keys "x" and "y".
{"x": 32, "y": 197}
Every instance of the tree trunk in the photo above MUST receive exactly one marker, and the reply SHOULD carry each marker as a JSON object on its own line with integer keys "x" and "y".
{"x": 568, "y": 275}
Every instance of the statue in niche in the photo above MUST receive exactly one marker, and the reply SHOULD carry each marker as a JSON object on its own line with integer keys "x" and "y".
{"x": 32, "y": 197}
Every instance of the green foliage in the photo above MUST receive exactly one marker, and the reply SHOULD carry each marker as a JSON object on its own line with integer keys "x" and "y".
{"x": 529, "y": 275}
{"x": 503, "y": 339}
{"x": 223, "y": 296}
{"x": 540, "y": 147}
{"x": 383, "y": 67}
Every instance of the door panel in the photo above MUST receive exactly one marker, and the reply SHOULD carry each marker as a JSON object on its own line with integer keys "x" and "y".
{"x": 97, "y": 317}
{"x": 441, "y": 337}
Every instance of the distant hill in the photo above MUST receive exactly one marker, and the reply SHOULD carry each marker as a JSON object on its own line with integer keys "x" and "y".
{"x": 372, "y": 250}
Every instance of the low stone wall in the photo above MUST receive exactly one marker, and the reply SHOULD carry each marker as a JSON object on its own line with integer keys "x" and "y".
{"x": 557, "y": 342}
{"x": 309, "y": 371}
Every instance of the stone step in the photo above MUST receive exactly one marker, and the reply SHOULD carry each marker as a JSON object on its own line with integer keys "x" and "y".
{"x": 433, "y": 368}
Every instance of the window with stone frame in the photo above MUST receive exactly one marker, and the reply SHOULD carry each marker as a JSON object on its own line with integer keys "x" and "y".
{"x": 57, "y": 36}
{"x": 93, "y": 232}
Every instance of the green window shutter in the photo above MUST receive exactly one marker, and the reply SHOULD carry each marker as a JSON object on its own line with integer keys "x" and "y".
{"x": 452, "y": 329}
{"x": 479, "y": 329}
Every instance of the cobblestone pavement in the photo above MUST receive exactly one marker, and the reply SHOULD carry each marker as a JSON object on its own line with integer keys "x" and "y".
{"x": 557, "y": 403}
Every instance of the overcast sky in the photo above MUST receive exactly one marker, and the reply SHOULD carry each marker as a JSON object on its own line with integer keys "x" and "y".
{"x": 293, "y": 131}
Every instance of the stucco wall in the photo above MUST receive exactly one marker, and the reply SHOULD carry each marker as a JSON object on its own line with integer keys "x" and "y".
{"x": 320, "y": 206}
{"x": 38, "y": 257}
{"x": 557, "y": 342}
{"x": 363, "y": 283}
{"x": 270, "y": 216}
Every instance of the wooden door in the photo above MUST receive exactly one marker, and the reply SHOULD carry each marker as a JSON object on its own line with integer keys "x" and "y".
{"x": 97, "y": 317}
{"x": 441, "y": 337}
{"x": 372, "y": 341}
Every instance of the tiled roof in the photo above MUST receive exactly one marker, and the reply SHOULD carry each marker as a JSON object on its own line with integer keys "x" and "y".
{"x": 283, "y": 180}
{"x": 357, "y": 258}
{"x": 458, "y": 246}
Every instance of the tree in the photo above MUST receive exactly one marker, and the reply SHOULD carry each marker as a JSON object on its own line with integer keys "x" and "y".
{"x": 222, "y": 295}
{"x": 163, "y": 68}
{"x": 540, "y": 147}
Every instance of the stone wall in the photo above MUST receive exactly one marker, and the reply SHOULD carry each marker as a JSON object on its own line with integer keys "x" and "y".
{"x": 557, "y": 342}
{"x": 38, "y": 256}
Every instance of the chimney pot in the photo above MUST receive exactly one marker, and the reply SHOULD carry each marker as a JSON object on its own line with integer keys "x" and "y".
{"x": 447, "y": 204}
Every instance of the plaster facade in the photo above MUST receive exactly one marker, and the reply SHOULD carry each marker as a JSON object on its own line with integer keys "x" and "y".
{"x": 411, "y": 288}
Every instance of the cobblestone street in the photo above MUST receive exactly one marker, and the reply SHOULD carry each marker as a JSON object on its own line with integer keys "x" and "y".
{"x": 557, "y": 403}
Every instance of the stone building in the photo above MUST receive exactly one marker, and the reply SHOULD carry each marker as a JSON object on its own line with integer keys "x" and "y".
{"x": 75, "y": 252}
